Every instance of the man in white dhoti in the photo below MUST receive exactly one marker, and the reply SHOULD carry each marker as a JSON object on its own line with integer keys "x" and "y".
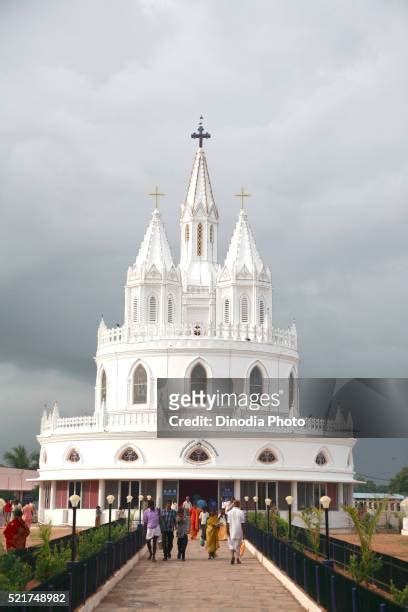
{"x": 235, "y": 522}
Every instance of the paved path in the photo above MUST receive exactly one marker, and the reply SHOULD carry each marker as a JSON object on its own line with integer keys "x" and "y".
{"x": 199, "y": 584}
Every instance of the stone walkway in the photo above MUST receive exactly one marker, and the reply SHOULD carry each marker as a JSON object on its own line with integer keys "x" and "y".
{"x": 199, "y": 584}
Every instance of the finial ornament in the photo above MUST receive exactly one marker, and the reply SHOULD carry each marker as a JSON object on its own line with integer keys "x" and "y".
{"x": 242, "y": 195}
{"x": 201, "y": 134}
{"x": 156, "y": 194}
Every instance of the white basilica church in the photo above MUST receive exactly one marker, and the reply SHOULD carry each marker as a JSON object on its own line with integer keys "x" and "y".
{"x": 198, "y": 319}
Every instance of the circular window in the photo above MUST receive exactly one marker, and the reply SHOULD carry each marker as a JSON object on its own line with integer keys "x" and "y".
{"x": 129, "y": 455}
{"x": 73, "y": 456}
{"x": 267, "y": 456}
{"x": 321, "y": 459}
{"x": 198, "y": 455}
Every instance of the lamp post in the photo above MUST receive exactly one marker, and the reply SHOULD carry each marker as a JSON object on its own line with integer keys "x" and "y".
{"x": 246, "y": 499}
{"x": 129, "y": 501}
{"x": 141, "y": 498}
{"x": 268, "y": 502}
{"x": 148, "y": 497}
{"x": 325, "y": 502}
{"x": 110, "y": 499}
{"x": 255, "y": 498}
{"x": 74, "y": 500}
{"x": 289, "y": 501}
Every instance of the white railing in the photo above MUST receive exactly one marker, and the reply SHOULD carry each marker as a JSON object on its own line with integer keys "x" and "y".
{"x": 246, "y": 333}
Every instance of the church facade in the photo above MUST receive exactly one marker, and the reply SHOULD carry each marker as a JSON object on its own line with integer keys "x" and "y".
{"x": 196, "y": 320}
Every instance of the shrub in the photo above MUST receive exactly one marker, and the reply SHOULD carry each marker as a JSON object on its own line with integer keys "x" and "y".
{"x": 400, "y": 597}
{"x": 363, "y": 567}
{"x": 312, "y": 518}
{"x": 14, "y": 573}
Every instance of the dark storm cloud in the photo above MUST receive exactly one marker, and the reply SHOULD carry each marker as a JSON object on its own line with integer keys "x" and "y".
{"x": 306, "y": 103}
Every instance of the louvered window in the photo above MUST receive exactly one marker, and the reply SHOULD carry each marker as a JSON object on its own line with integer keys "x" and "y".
{"x": 152, "y": 309}
{"x": 170, "y": 310}
{"x": 261, "y": 312}
{"x": 227, "y": 311}
{"x": 244, "y": 309}
{"x": 199, "y": 240}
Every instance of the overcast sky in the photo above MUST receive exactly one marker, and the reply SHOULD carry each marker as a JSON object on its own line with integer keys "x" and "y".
{"x": 306, "y": 103}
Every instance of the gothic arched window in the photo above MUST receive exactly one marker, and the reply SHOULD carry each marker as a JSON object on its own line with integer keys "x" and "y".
{"x": 152, "y": 309}
{"x": 198, "y": 379}
{"x": 187, "y": 233}
{"x": 244, "y": 309}
{"x": 135, "y": 310}
{"x": 261, "y": 311}
{"x": 140, "y": 385}
{"x": 227, "y": 311}
{"x": 129, "y": 455}
{"x": 103, "y": 386}
{"x": 198, "y": 455}
{"x": 73, "y": 456}
{"x": 211, "y": 234}
{"x": 170, "y": 310}
{"x": 291, "y": 390}
{"x": 255, "y": 381}
{"x": 266, "y": 456}
{"x": 199, "y": 239}
{"x": 321, "y": 458}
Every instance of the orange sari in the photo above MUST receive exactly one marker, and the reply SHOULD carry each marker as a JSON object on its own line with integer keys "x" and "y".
{"x": 194, "y": 522}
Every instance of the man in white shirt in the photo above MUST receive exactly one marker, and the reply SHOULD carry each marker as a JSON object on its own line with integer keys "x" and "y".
{"x": 235, "y": 522}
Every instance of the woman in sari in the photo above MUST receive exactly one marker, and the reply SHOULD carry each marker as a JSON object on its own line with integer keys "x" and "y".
{"x": 212, "y": 534}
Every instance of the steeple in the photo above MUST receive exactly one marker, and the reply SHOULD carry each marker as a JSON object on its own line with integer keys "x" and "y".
{"x": 154, "y": 258}
{"x": 199, "y": 223}
{"x": 243, "y": 258}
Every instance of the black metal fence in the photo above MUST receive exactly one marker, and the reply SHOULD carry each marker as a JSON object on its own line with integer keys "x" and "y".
{"x": 331, "y": 590}
{"x": 83, "y": 578}
{"x": 392, "y": 569}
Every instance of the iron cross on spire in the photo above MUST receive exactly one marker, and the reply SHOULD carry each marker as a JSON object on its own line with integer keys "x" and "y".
{"x": 242, "y": 195}
{"x": 201, "y": 135}
{"x": 156, "y": 194}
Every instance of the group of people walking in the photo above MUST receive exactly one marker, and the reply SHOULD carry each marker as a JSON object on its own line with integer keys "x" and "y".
{"x": 17, "y": 520}
{"x": 192, "y": 519}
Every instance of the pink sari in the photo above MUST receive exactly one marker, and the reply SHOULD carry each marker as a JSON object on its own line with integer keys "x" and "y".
{"x": 28, "y": 514}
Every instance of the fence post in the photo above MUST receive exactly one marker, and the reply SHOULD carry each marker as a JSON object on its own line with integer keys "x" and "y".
{"x": 354, "y": 599}
{"x": 332, "y": 593}
{"x": 305, "y": 576}
{"x": 383, "y": 607}
{"x": 294, "y": 568}
{"x": 317, "y": 584}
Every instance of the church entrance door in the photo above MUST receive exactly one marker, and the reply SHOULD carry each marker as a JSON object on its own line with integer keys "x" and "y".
{"x": 199, "y": 489}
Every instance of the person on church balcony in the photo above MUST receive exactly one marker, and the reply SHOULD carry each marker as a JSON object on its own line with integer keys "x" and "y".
{"x": 235, "y": 530}
{"x": 212, "y": 534}
{"x": 194, "y": 521}
{"x": 151, "y": 519}
{"x": 16, "y": 532}
{"x": 167, "y": 524}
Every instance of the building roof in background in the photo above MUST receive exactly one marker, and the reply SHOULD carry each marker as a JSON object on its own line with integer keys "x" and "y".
{"x": 14, "y": 479}
{"x": 377, "y": 496}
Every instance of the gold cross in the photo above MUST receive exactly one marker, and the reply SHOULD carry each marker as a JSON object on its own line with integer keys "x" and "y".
{"x": 156, "y": 194}
{"x": 242, "y": 195}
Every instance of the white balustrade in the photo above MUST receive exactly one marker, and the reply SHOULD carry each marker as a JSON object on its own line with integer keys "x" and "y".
{"x": 143, "y": 332}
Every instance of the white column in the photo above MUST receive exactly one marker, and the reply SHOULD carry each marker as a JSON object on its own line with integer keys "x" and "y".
{"x": 294, "y": 495}
{"x": 41, "y": 502}
{"x": 159, "y": 492}
{"x": 340, "y": 496}
{"x": 237, "y": 489}
{"x": 101, "y": 494}
{"x": 53, "y": 492}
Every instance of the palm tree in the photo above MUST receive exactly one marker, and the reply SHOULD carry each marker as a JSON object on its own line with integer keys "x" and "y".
{"x": 18, "y": 457}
